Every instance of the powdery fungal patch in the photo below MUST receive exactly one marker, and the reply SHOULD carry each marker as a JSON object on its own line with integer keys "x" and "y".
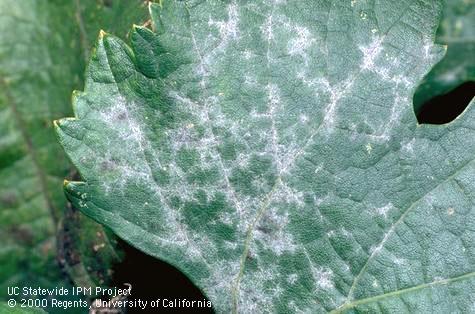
{"x": 384, "y": 210}
{"x": 228, "y": 30}
{"x": 371, "y": 53}
{"x": 300, "y": 44}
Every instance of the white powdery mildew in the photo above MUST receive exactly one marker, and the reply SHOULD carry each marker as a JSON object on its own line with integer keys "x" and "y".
{"x": 335, "y": 93}
{"x": 300, "y": 44}
{"x": 272, "y": 232}
{"x": 400, "y": 103}
{"x": 408, "y": 147}
{"x": 427, "y": 49}
{"x": 247, "y": 54}
{"x": 228, "y": 31}
{"x": 371, "y": 53}
{"x": 323, "y": 277}
{"x": 399, "y": 261}
{"x": 122, "y": 119}
{"x": 342, "y": 232}
{"x": 374, "y": 250}
{"x": 266, "y": 29}
{"x": 210, "y": 106}
{"x": 118, "y": 118}
{"x": 273, "y": 94}
{"x": 388, "y": 70}
{"x": 288, "y": 196}
{"x": 292, "y": 279}
{"x": 258, "y": 296}
{"x": 207, "y": 147}
{"x": 250, "y": 80}
{"x": 384, "y": 210}
{"x": 182, "y": 137}
{"x": 219, "y": 283}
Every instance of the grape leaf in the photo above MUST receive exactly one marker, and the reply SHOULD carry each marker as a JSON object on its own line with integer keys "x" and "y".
{"x": 457, "y": 31}
{"x": 42, "y": 57}
{"x": 270, "y": 151}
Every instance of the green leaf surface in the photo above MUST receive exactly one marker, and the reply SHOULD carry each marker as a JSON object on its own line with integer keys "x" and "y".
{"x": 42, "y": 57}
{"x": 270, "y": 151}
{"x": 457, "y": 31}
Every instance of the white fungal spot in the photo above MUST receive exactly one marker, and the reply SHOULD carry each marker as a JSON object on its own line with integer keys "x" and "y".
{"x": 399, "y": 261}
{"x": 304, "y": 40}
{"x": 228, "y": 30}
{"x": 371, "y": 52}
{"x": 320, "y": 167}
{"x": 247, "y": 54}
{"x": 323, "y": 277}
{"x": 408, "y": 148}
{"x": 266, "y": 29}
{"x": 384, "y": 210}
{"x": 427, "y": 48}
{"x": 292, "y": 278}
{"x": 369, "y": 148}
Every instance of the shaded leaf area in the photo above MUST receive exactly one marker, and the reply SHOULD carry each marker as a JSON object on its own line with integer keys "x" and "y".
{"x": 42, "y": 57}
{"x": 270, "y": 152}
{"x": 457, "y": 31}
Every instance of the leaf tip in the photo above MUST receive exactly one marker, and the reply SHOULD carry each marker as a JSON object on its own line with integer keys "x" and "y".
{"x": 58, "y": 123}
{"x": 102, "y": 34}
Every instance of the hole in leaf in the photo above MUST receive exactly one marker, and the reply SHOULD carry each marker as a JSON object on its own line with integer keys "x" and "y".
{"x": 445, "y": 108}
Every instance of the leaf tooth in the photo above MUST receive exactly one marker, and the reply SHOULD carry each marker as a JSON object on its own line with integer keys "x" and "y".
{"x": 142, "y": 42}
{"x": 143, "y": 31}
{"x": 67, "y": 128}
{"x": 119, "y": 57}
{"x": 98, "y": 69}
{"x": 59, "y": 123}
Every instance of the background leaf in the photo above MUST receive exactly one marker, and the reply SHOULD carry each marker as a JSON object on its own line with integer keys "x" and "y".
{"x": 43, "y": 47}
{"x": 457, "y": 31}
